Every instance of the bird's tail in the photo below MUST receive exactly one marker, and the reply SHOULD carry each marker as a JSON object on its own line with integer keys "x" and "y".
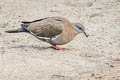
{"x": 22, "y": 29}
{"x": 15, "y": 30}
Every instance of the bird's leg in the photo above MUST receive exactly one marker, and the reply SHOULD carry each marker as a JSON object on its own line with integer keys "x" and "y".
{"x": 58, "y": 48}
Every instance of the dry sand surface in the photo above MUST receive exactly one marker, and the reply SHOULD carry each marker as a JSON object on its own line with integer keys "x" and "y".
{"x": 23, "y": 57}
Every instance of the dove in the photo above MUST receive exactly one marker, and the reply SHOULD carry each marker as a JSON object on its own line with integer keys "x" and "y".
{"x": 53, "y": 30}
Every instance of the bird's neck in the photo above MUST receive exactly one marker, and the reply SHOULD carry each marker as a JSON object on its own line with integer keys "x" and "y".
{"x": 75, "y": 31}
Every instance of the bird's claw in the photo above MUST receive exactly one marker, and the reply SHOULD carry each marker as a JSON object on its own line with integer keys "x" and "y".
{"x": 58, "y": 48}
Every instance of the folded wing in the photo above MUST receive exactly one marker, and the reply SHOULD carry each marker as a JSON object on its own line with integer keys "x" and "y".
{"x": 47, "y": 27}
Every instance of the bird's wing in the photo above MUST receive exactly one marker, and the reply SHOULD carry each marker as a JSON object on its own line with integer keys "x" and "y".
{"x": 27, "y": 22}
{"x": 47, "y": 27}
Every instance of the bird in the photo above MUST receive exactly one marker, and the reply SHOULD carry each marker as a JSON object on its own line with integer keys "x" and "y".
{"x": 53, "y": 30}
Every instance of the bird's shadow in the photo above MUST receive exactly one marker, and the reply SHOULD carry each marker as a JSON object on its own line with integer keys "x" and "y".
{"x": 33, "y": 47}
{"x": 23, "y": 47}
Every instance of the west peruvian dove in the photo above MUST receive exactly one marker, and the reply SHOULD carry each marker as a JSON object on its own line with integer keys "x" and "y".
{"x": 57, "y": 30}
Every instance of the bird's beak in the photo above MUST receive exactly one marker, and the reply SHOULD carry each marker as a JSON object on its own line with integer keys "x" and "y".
{"x": 85, "y": 33}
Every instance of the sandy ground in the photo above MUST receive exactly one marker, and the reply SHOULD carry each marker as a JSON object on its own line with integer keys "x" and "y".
{"x": 23, "y": 57}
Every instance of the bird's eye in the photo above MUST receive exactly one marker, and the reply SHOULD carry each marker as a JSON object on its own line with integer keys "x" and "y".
{"x": 80, "y": 28}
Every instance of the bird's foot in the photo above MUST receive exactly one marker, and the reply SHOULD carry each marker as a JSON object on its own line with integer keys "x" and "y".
{"x": 58, "y": 48}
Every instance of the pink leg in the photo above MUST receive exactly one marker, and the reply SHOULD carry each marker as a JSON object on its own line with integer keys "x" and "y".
{"x": 58, "y": 48}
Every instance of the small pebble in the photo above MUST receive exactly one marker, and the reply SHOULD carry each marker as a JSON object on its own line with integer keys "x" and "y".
{"x": 112, "y": 66}
{"x": 13, "y": 40}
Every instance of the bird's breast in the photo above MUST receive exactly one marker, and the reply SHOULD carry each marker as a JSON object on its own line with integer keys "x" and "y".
{"x": 63, "y": 38}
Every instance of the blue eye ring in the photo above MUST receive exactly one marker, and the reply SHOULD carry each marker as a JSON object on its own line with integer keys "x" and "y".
{"x": 79, "y": 27}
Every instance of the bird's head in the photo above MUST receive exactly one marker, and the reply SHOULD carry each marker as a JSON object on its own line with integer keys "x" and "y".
{"x": 80, "y": 28}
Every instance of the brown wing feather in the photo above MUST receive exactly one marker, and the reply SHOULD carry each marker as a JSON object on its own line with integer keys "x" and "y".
{"x": 27, "y": 22}
{"x": 48, "y": 27}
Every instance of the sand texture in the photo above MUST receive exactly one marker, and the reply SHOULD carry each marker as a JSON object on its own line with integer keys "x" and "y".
{"x": 23, "y": 57}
